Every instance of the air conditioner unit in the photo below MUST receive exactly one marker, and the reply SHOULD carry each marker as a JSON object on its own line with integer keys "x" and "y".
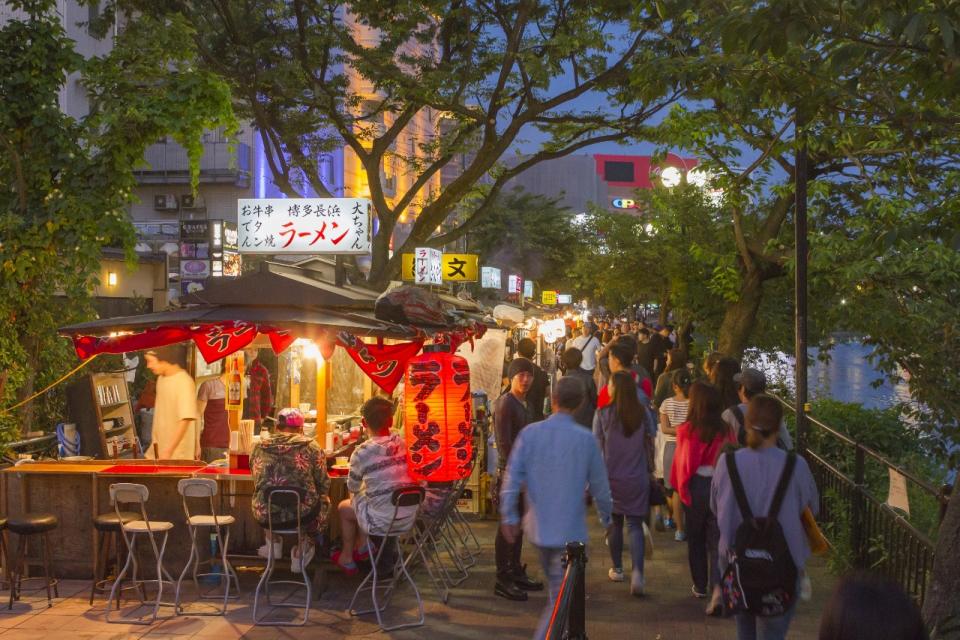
{"x": 166, "y": 202}
{"x": 190, "y": 201}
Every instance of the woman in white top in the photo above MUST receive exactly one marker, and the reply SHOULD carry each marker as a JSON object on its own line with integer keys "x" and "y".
{"x": 673, "y": 413}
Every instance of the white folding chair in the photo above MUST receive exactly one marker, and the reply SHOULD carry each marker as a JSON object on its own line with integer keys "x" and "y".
{"x": 205, "y": 489}
{"x": 402, "y": 498}
{"x": 138, "y": 494}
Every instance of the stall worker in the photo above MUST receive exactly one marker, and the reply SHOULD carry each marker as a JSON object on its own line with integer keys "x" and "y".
{"x": 258, "y": 402}
{"x": 291, "y": 460}
{"x": 175, "y": 411}
{"x": 215, "y": 431}
{"x": 378, "y": 467}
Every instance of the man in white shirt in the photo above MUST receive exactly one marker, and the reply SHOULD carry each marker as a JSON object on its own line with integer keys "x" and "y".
{"x": 588, "y": 344}
{"x": 175, "y": 414}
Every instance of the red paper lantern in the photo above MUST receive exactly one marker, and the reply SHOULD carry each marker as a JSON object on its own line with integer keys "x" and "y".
{"x": 439, "y": 414}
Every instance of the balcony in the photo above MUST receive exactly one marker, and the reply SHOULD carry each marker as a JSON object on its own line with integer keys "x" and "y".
{"x": 166, "y": 163}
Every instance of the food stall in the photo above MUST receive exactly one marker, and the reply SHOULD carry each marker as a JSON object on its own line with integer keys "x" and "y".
{"x": 333, "y": 350}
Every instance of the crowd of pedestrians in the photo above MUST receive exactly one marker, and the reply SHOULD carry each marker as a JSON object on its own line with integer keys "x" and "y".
{"x": 658, "y": 442}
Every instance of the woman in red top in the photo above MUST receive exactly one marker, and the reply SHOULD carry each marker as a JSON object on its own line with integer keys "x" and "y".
{"x": 699, "y": 442}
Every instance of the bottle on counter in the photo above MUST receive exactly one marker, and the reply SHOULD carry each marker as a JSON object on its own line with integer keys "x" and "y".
{"x": 234, "y": 387}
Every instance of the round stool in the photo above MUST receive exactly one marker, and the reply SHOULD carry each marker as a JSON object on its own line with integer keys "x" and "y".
{"x": 26, "y": 525}
{"x": 107, "y": 526}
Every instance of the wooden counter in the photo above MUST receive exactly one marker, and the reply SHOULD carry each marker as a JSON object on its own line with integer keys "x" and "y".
{"x": 77, "y": 491}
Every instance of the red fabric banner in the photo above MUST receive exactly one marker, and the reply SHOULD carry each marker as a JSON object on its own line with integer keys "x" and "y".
{"x": 89, "y": 346}
{"x": 384, "y": 364}
{"x": 220, "y": 340}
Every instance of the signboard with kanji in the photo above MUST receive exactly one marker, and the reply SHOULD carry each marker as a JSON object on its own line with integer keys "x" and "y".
{"x": 460, "y": 267}
{"x": 329, "y": 226}
{"x": 528, "y": 289}
{"x": 564, "y": 298}
{"x": 406, "y": 267}
{"x": 427, "y": 266}
{"x": 490, "y": 278}
{"x": 514, "y": 283}
{"x": 548, "y": 297}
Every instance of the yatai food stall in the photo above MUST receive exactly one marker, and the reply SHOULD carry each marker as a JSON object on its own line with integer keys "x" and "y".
{"x": 333, "y": 333}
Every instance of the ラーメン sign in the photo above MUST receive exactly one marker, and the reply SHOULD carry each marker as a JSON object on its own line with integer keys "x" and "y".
{"x": 427, "y": 266}
{"x": 490, "y": 278}
{"x": 315, "y": 226}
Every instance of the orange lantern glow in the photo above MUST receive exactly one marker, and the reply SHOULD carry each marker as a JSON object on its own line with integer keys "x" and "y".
{"x": 439, "y": 414}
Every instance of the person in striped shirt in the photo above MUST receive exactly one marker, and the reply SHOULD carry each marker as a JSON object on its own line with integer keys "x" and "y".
{"x": 378, "y": 467}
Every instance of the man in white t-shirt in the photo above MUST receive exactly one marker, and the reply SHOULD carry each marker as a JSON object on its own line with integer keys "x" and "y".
{"x": 175, "y": 414}
{"x": 588, "y": 344}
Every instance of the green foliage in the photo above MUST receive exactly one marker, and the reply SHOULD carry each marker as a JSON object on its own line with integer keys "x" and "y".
{"x": 67, "y": 181}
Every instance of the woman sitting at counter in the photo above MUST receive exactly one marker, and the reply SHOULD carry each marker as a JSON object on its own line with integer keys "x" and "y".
{"x": 290, "y": 460}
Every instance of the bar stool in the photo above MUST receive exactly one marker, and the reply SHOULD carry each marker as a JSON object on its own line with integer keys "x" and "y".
{"x": 107, "y": 526}
{"x": 403, "y": 497}
{"x": 128, "y": 493}
{"x": 26, "y": 525}
{"x": 207, "y": 488}
{"x": 290, "y": 499}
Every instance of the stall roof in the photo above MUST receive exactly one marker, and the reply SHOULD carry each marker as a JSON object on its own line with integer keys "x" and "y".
{"x": 279, "y": 285}
{"x": 303, "y": 322}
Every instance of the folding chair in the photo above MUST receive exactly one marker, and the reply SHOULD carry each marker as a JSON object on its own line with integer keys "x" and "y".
{"x": 206, "y": 488}
{"x": 402, "y": 498}
{"x": 138, "y": 494}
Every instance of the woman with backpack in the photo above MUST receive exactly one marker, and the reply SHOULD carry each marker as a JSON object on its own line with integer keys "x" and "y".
{"x": 699, "y": 442}
{"x": 758, "y": 494}
{"x": 624, "y": 432}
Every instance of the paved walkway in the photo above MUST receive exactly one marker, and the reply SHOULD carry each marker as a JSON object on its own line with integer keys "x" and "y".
{"x": 667, "y": 612}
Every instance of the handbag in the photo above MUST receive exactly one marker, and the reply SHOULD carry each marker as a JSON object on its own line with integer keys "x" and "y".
{"x": 658, "y": 495}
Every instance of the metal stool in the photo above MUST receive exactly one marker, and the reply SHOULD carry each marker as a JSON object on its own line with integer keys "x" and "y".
{"x": 291, "y": 499}
{"x": 207, "y": 488}
{"x": 404, "y": 497}
{"x": 128, "y": 493}
{"x": 26, "y": 525}
{"x": 107, "y": 526}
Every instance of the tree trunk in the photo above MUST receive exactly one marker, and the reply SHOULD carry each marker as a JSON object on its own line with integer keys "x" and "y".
{"x": 741, "y": 316}
{"x": 380, "y": 258}
{"x": 943, "y": 593}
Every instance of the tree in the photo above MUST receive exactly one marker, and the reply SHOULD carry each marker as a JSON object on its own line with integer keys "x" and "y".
{"x": 67, "y": 182}
{"x": 528, "y": 234}
{"x": 496, "y": 73}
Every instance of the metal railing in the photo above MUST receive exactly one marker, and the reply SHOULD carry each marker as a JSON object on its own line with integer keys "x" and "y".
{"x": 222, "y": 162}
{"x": 878, "y": 536}
{"x": 569, "y": 620}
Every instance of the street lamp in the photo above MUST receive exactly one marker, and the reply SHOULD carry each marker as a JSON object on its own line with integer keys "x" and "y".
{"x": 671, "y": 177}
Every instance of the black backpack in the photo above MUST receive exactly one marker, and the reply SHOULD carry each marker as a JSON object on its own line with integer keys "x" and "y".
{"x": 761, "y": 578}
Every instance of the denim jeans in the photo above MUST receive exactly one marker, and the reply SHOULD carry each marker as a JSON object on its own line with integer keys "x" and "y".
{"x": 751, "y": 627}
{"x": 635, "y": 530}
{"x": 703, "y": 536}
{"x": 551, "y": 560}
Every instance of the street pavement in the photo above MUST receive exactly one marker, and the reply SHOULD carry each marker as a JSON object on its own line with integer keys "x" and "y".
{"x": 473, "y": 612}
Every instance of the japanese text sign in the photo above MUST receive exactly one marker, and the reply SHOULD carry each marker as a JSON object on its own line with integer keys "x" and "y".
{"x": 460, "y": 267}
{"x": 564, "y": 298}
{"x": 490, "y": 278}
{"x": 428, "y": 266}
{"x": 548, "y": 297}
{"x": 514, "y": 283}
{"x": 528, "y": 289}
{"x": 304, "y": 225}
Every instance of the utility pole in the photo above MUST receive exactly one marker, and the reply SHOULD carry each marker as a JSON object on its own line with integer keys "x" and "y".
{"x": 801, "y": 249}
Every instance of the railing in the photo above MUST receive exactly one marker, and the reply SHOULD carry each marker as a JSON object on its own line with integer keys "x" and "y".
{"x": 568, "y": 620}
{"x": 168, "y": 163}
{"x": 876, "y": 535}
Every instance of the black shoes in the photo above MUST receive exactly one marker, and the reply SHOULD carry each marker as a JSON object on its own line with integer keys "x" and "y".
{"x": 525, "y": 582}
{"x": 507, "y": 589}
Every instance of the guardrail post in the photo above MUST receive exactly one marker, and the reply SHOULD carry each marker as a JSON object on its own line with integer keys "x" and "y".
{"x": 859, "y": 502}
{"x": 577, "y": 622}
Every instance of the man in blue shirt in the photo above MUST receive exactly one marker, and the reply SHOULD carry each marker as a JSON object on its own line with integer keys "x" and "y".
{"x": 553, "y": 461}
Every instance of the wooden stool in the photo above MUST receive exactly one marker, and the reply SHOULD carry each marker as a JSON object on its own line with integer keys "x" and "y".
{"x": 108, "y": 526}
{"x": 26, "y": 525}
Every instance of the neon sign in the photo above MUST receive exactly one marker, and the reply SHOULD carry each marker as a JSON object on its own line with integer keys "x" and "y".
{"x": 624, "y": 203}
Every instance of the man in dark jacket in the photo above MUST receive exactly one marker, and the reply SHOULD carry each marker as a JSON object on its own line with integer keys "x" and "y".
{"x": 571, "y": 362}
{"x": 510, "y": 415}
{"x": 527, "y": 348}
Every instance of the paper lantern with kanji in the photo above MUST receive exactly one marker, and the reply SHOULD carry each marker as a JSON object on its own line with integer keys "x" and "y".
{"x": 439, "y": 413}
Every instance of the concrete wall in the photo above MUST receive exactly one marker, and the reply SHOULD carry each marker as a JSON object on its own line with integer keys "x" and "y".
{"x": 147, "y": 281}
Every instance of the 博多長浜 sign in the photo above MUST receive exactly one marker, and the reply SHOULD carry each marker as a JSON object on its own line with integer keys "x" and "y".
{"x": 304, "y": 225}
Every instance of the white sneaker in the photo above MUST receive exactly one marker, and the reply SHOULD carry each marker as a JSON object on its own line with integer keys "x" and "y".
{"x": 806, "y": 588}
{"x": 296, "y": 562}
{"x": 264, "y": 550}
{"x": 615, "y": 575}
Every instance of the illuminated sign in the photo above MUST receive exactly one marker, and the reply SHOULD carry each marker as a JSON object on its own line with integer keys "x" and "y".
{"x": 514, "y": 283}
{"x": 313, "y": 226}
{"x": 460, "y": 267}
{"x": 427, "y": 266}
{"x": 624, "y": 203}
{"x": 564, "y": 298}
{"x": 490, "y": 278}
{"x": 528, "y": 289}
{"x": 548, "y": 297}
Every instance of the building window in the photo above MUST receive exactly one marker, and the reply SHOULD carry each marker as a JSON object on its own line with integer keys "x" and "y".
{"x": 618, "y": 171}
{"x": 93, "y": 15}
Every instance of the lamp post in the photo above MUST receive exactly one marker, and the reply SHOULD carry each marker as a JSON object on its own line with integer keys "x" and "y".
{"x": 800, "y": 279}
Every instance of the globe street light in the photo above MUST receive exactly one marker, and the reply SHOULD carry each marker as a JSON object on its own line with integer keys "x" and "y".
{"x": 671, "y": 177}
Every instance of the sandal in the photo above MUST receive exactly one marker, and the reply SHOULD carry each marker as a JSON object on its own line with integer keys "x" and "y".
{"x": 363, "y": 554}
{"x": 349, "y": 569}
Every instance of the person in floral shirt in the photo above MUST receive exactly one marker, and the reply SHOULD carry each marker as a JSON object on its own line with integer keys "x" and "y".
{"x": 290, "y": 460}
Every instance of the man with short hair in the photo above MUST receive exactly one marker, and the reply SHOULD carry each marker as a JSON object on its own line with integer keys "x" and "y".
{"x": 510, "y": 417}
{"x": 751, "y": 382}
{"x": 378, "y": 467}
{"x": 552, "y": 461}
{"x": 659, "y": 345}
{"x": 588, "y": 344}
{"x": 175, "y": 412}
{"x": 571, "y": 359}
{"x": 527, "y": 348}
